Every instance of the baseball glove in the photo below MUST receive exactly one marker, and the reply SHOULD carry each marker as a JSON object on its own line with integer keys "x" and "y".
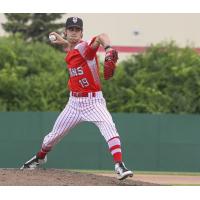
{"x": 111, "y": 58}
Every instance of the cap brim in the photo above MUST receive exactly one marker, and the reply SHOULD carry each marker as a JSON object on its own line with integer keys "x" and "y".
{"x": 74, "y": 26}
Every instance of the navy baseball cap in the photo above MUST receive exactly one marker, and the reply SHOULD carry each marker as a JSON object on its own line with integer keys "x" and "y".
{"x": 74, "y": 22}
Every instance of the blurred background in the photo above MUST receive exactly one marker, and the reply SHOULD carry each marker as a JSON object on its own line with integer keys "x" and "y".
{"x": 154, "y": 96}
{"x": 136, "y": 30}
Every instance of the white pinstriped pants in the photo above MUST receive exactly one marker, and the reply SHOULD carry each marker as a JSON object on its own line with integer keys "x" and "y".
{"x": 77, "y": 110}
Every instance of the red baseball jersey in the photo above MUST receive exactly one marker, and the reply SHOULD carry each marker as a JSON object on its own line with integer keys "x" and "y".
{"x": 83, "y": 68}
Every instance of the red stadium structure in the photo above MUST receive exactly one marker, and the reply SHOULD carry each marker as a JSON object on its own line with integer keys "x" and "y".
{"x": 132, "y": 50}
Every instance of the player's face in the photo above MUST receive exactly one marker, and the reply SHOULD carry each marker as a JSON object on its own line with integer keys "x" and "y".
{"x": 74, "y": 34}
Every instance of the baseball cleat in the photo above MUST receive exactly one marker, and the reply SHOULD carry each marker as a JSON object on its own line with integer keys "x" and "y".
{"x": 34, "y": 163}
{"x": 122, "y": 171}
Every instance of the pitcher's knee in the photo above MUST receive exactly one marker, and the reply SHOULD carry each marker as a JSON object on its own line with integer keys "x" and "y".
{"x": 51, "y": 139}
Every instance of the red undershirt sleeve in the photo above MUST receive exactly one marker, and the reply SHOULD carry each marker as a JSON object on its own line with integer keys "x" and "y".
{"x": 90, "y": 52}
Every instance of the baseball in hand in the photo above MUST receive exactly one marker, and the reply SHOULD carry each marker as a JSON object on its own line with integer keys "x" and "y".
{"x": 52, "y": 37}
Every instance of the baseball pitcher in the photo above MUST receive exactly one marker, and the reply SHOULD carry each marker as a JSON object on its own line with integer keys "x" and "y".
{"x": 86, "y": 101}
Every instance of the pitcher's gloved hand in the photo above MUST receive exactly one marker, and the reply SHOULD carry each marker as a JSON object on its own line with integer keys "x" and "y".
{"x": 111, "y": 58}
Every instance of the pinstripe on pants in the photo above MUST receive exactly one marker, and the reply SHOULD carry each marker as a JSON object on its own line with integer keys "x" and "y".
{"x": 77, "y": 110}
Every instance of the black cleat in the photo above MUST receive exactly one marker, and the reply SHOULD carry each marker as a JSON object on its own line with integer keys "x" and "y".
{"x": 34, "y": 163}
{"x": 122, "y": 171}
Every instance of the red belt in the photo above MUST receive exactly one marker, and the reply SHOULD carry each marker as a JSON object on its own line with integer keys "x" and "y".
{"x": 83, "y": 94}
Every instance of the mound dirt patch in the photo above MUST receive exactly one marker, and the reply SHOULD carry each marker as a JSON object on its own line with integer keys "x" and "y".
{"x": 56, "y": 177}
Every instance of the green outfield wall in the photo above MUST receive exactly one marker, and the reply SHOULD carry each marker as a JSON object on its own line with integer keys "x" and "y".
{"x": 149, "y": 142}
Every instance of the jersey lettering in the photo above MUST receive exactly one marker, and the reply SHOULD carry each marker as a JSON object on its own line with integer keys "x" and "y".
{"x": 75, "y": 71}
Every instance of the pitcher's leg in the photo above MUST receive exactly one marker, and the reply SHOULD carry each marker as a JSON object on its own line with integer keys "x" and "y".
{"x": 112, "y": 138}
{"x": 103, "y": 119}
{"x": 67, "y": 119}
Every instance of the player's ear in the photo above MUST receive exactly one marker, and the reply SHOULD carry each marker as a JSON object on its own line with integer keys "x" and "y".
{"x": 81, "y": 34}
{"x": 65, "y": 33}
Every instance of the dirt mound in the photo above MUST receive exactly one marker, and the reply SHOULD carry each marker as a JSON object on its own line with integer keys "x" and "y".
{"x": 55, "y": 177}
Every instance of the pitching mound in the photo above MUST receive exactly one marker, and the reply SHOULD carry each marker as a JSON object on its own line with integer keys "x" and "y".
{"x": 55, "y": 177}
